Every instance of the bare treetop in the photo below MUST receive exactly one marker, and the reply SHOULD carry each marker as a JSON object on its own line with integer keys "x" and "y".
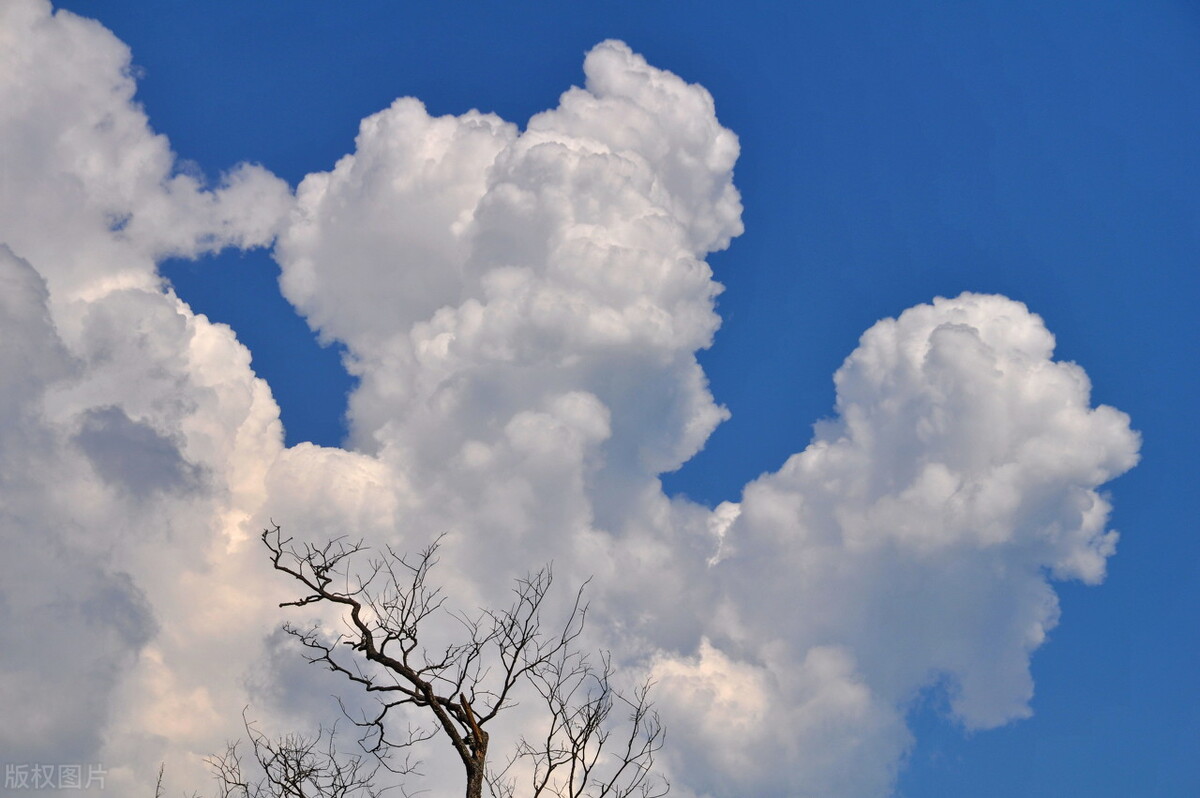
{"x": 454, "y": 690}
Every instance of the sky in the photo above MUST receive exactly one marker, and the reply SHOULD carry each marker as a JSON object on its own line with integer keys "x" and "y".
{"x": 848, "y": 347}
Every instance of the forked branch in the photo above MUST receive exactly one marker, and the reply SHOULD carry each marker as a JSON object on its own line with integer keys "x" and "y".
{"x": 391, "y": 611}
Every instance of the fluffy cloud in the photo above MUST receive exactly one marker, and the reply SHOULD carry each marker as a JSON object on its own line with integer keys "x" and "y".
{"x": 135, "y": 436}
{"x": 523, "y": 308}
{"x": 912, "y": 542}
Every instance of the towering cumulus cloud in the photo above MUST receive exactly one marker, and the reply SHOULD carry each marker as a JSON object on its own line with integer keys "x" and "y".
{"x": 523, "y": 308}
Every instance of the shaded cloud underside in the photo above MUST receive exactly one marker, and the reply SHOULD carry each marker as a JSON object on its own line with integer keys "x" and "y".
{"x": 523, "y": 310}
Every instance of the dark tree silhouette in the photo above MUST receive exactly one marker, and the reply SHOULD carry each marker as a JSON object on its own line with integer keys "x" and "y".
{"x": 597, "y": 743}
{"x": 295, "y": 766}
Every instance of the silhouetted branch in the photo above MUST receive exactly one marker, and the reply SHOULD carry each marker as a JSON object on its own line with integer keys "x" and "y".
{"x": 454, "y": 690}
{"x": 294, "y": 766}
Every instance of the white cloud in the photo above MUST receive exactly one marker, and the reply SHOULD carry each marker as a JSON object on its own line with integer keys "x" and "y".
{"x": 915, "y": 535}
{"x": 523, "y": 308}
{"x": 136, "y": 438}
{"x": 785, "y": 726}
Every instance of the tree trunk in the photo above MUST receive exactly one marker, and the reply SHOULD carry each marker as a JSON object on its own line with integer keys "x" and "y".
{"x": 477, "y": 764}
{"x": 475, "y": 781}
{"x": 477, "y": 767}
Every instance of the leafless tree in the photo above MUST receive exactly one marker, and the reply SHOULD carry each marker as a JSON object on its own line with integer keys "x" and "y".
{"x": 597, "y": 743}
{"x": 294, "y": 766}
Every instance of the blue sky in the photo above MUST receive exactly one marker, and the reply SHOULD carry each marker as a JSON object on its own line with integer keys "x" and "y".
{"x": 890, "y": 153}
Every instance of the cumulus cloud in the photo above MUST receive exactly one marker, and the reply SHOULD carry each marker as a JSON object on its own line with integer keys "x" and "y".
{"x": 135, "y": 436}
{"x": 912, "y": 543}
{"x": 523, "y": 307}
{"x": 88, "y": 613}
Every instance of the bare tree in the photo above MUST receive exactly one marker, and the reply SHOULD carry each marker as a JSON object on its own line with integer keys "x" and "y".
{"x": 294, "y": 766}
{"x": 451, "y": 691}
